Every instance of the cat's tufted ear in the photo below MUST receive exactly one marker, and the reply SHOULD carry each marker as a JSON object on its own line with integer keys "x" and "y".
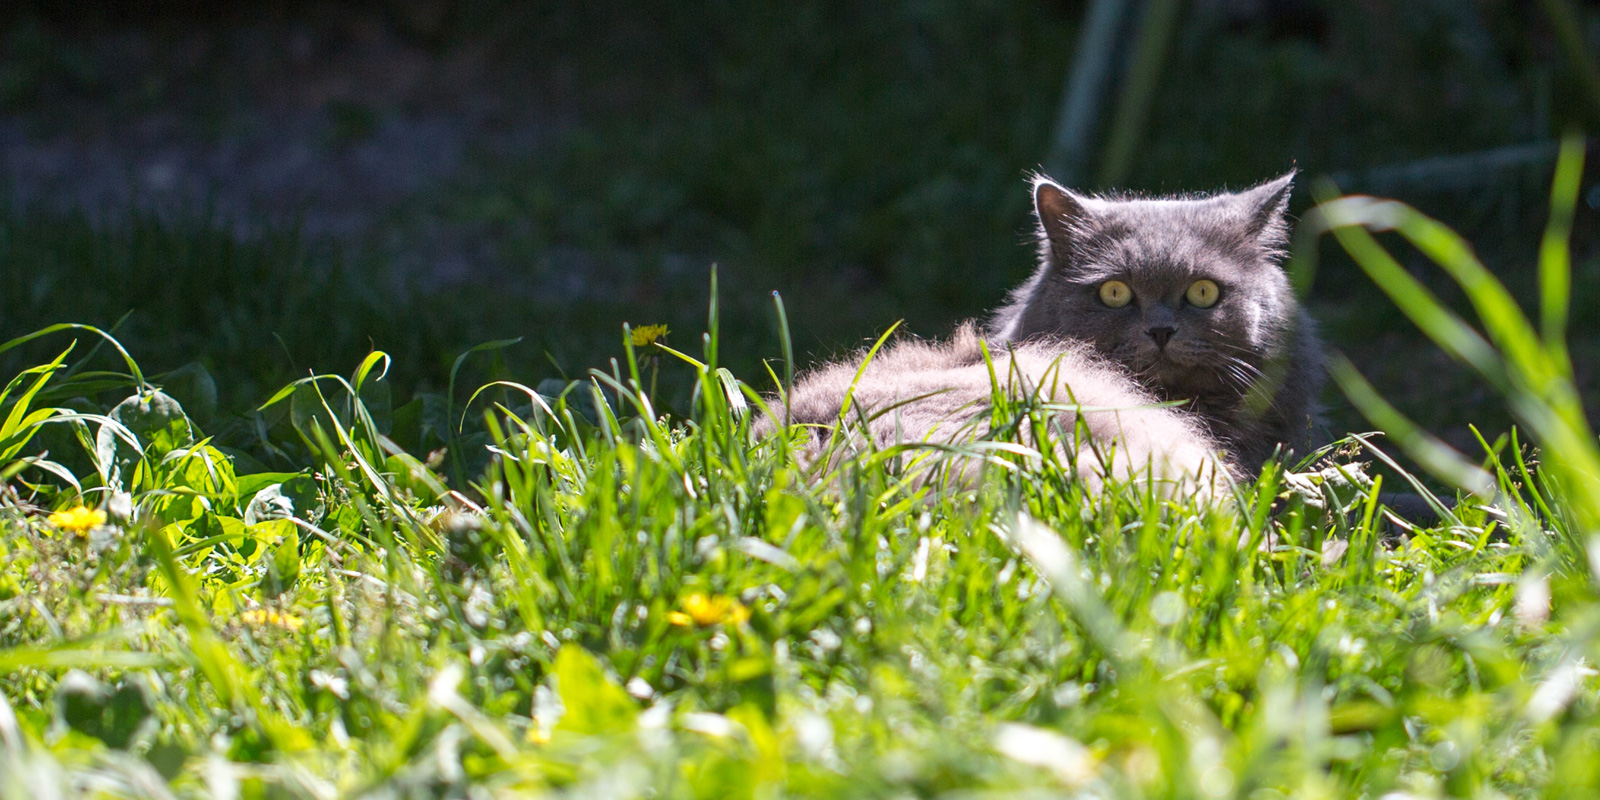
{"x": 1265, "y": 208}
{"x": 1062, "y": 218}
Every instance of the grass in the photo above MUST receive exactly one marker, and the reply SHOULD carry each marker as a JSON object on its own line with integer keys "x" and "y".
{"x": 888, "y": 186}
{"x": 346, "y": 591}
{"x": 247, "y": 313}
{"x": 577, "y": 594}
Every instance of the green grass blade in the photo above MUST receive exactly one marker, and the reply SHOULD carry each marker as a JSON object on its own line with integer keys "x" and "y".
{"x": 455, "y": 368}
{"x": 786, "y": 343}
{"x": 1555, "y": 251}
{"x": 1348, "y": 218}
{"x": 1426, "y": 449}
{"x": 133, "y": 366}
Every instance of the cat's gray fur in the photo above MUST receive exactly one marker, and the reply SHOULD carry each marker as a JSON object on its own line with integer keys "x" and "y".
{"x": 1055, "y": 337}
{"x": 939, "y": 392}
{"x": 1250, "y": 366}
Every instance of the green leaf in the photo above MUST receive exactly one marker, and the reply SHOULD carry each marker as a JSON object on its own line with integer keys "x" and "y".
{"x": 151, "y": 418}
{"x": 112, "y": 715}
{"x": 283, "y": 562}
{"x": 133, "y": 367}
{"x": 450, "y": 390}
{"x": 191, "y": 477}
{"x": 378, "y": 401}
{"x": 81, "y": 701}
{"x": 405, "y": 425}
{"x": 1555, "y": 250}
{"x": 129, "y": 713}
{"x": 307, "y": 409}
{"x": 208, "y": 530}
{"x": 256, "y": 481}
{"x": 595, "y": 705}
{"x": 193, "y": 386}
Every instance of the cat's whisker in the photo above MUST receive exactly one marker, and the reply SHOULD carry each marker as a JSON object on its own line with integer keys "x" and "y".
{"x": 1242, "y": 372}
{"x": 1238, "y": 362}
{"x": 1219, "y": 340}
{"x": 1246, "y": 367}
{"x": 1231, "y": 371}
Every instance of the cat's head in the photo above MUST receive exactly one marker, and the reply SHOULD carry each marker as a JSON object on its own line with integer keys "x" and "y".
{"x": 1186, "y": 292}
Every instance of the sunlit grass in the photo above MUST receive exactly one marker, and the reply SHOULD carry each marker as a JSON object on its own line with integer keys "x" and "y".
{"x": 566, "y": 590}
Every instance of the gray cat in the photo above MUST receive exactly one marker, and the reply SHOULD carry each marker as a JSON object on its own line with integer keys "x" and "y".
{"x": 1186, "y": 293}
{"x": 1135, "y": 301}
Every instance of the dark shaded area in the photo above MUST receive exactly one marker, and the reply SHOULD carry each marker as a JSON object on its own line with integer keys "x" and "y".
{"x": 276, "y": 187}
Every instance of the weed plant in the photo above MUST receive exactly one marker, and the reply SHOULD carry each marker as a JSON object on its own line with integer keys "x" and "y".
{"x": 565, "y": 591}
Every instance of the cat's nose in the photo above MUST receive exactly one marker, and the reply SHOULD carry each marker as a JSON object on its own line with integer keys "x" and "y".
{"x": 1162, "y": 334}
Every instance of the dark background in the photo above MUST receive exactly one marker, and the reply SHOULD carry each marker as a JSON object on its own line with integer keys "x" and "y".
{"x": 271, "y": 188}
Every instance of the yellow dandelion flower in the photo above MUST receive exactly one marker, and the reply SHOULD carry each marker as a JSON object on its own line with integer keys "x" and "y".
{"x": 646, "y": 335}
{"x": 262, "y": 617}
{"x": 78, "y": 520}
{"x": 702, "y": 611}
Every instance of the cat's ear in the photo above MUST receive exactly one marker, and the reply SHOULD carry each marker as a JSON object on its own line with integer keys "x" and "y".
{"x": 1266, "y": 207}
{"x": 1062, "y": 216}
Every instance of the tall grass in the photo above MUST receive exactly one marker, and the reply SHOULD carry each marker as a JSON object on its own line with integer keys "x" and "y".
{"x": 1527, "y": 363}
{"x": 573, "y": 593}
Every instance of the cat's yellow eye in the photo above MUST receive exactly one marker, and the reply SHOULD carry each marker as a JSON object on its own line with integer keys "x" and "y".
{"x": 1201, "y": 294}
{"x": 1115, "y": 294}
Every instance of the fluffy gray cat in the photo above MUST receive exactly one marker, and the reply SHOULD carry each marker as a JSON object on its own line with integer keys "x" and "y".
{"x": 1134, "y": 301}
{"x": 1185, "y": 293}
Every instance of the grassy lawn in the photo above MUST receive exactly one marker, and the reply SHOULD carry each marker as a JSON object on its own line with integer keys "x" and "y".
{"x": 315, "y": 559}
{"x": 568, "y": 592}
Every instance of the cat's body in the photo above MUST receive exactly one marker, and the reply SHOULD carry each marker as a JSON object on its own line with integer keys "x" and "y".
{"x": 1135, "y": 301}
{"x": 940, "y": 392}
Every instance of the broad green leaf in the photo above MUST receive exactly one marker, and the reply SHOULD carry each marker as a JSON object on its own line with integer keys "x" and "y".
{"x": 595, "y": 705}
{"x": 193, "y": 387}
{"x": 157, "y": 419}
{"x": 283, "y": 561}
